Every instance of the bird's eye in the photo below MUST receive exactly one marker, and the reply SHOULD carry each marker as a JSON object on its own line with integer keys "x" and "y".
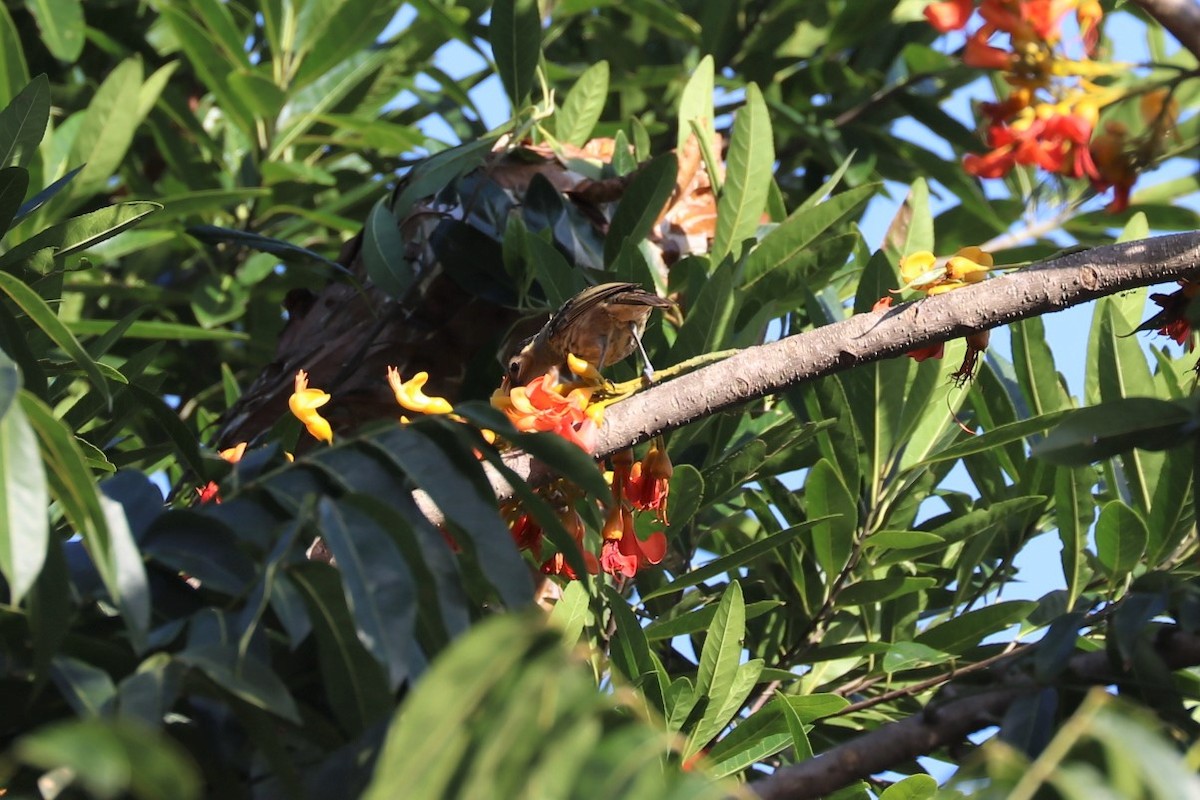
{"x": 514, "y": 368}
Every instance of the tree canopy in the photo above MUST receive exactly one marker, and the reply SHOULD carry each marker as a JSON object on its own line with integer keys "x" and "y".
{"x": 269, "y": 529}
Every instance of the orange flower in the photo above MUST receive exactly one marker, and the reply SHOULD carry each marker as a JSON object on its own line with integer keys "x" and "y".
{"x": 649, "y": 483}
{"x": 304, "y": 403}
{"x": 540, "y": 407}
{"x": 622, "y": 552}
{"x": 410, "y": 394}
{"x": 557, "y": 564}
{"x": 951, "y": 15}
{"x": 234, "y": 454}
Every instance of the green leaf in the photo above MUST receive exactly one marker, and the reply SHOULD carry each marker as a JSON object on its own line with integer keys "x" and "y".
{"x": 1090, "y": 434}
{"x": 829, "y": 499}
{"x": 800, "y": 744}
{"x": 696, "y": 102}
{"x": 788, "y": 240}
{"x": 23, "y": 122}
{"x": 572, "y": 612}
{"x": 515, "y": 34}
{"x": 24, "y": 498}
{"x": 87, "y": 689}
{"x": 62, "y": 26}
{"x": 44, "y": 318}
{"x": 1121, "y": 538}
{"x": 964, "y": 631}
{"x": 437, "y": 171}
{"x": 721, "y": 709}
{"x": 357, "y": 683}
{"x": 1034, "y": 366}
{"x": 14, "y": 181}
{"x": 1074, "y": 509}
{"x": 902, "y": 656}
{"x": 156, "y": 330}
{"x": 696, "y": 621}
{"x": 901, "y": 540}
{"x": 1000, "y": 435}
{"x": 583, "y": 105}
{"x": 749, "y": 164}
{"x": 247, "y": 679}
{"x": 107, "y": 130}
{"x": 332, "y": 31}
{"x": 383, "y": 252}
{"x": 99, "y": 521}
{"x": 113, "y": 757}
{"x": 75, "y": 235}
{"x": 640, "y": 205}
{"x": 460, "y": 496}
{"x": 914, "y": 787}
{"x": 378, "y": 586}
{"x": 722, "y": 650}
{"x": 732, "y": 561}
{"x": 14, "y": 74}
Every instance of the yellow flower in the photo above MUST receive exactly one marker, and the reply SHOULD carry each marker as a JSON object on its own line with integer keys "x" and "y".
{"x": 304, "y": 403}
{"x": 968, "y": 265}
{"x": 233, "y": 454}
{"x": 582, "y": 368}
{"x": 409, "y": 394}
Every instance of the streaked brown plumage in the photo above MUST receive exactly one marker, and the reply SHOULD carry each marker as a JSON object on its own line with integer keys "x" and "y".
{"x": 602, "y": 325}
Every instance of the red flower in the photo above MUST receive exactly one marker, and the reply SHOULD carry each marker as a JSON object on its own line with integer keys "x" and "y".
{"x": 527, "y": 534}
{"x": 209, "y": 493}
{"x": 951, "y": 15}
{"x": 557, "y": 564}
{"x": 625, "y": 553}
{"x": 649, "y": 483}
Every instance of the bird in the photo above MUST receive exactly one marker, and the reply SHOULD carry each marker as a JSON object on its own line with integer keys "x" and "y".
{"x": 602, "y": 325}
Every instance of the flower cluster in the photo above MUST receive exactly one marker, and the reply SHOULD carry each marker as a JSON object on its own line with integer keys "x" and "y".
{"x": 1049, "y": 118}
{"x": 921, "y": 272}
{"x": 641, "y": 486}
{"x": 545, "y": 405}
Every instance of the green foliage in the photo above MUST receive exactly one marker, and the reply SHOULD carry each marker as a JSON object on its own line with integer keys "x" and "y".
{"x": 172, "y": 171}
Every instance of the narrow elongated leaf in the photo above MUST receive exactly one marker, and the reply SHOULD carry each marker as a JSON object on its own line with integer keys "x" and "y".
{"x": 1121, "y": 537}
{"x": 515, "y": 34}
{"x": 62, "y": 27}
{"x": 113, "y": 758}
{"x": 732, "y": 561}
{"x": 249, "y": 679}
{"x": 640, "y": 205}
{"x": 23, "y": 122}
{"x": 721, "y": 710}
{"x": 107, "y": 129}
{"x": 583, "y": 105}
{"x": 384, "y": 253}
{"x": 1090, "y": 434}
{"x": 962, "y": 632}
{"x": 44, "y": 317}
{"x": 356, "y": 682}
{"x": 87, "y": 689}
{"x": 43, "y": 250}
{"x": 800, "y": 744}
{"x": 696, "y": 621}
{"x": 1000, "y": 435}
{"x": 24, "y": 498}
{"x": 722, "y": 646}
{"x": 696, "y": 101}
{"x": 1074, "y": 510}
{"x": 14, "y": 74}
{"x": 14, "y": 182}
{"x": 829, "y": 499}
{"x": 378, "y": 585}
{"x": 749, "y": 163}
{"x": 437, "y": 171}
{"x": 802, "y": 229}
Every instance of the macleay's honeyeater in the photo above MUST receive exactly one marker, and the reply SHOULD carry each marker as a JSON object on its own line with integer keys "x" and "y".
{"x": 602, "y": 325}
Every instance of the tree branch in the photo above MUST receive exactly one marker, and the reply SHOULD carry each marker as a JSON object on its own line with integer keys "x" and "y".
{"x": 947, "y": 723}
{"x": 863, "y": 338}
{"x": 1180, "y": 17}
